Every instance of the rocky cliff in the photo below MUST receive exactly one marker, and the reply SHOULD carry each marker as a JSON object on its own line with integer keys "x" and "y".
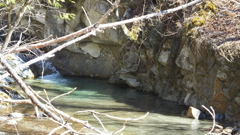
{"x": 177, "y": 56}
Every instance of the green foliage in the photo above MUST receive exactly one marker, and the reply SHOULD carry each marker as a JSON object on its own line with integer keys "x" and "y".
{"x": 7, "y": 2}
{"x": 206, "y": 10}
{"x": 67, "y": 16}
{"x": 56, "y": 3}
{"x": 133, "y": 34}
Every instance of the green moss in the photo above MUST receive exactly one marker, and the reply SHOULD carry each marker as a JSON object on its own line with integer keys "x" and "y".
{"x": 206, "y": 10}
{"x": 133, "y": 34}
{"x": 209, "y": 6}
{"x": 198, "y": 20}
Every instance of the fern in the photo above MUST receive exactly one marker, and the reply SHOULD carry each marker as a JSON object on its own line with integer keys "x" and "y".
{"x": 55, "y": 3}
{"x": 67, "y": 16}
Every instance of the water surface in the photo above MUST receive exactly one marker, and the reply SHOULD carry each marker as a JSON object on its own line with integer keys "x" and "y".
{"x": 165, "y": 117}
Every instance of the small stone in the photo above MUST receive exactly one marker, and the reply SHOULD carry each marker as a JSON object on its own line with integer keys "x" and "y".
{"x": 2, "y": 118}
{"x": 11, "y": 122}
{"x": 193, "y": 112}
{"x": 16, "y": 115}
{"x": 228, "y": 130}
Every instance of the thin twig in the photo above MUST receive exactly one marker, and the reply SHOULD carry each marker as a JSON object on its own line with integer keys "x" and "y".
{"x": 3, "y": 27}
{"x": 63, "y": 94}
{"x": 86, "y": 15}
{"x": 121, "y": 129}
{"x": 55, "y": 129}
{"x": 68, "y": 131}
{"x": 100, "y": 122}
{"x": 213, "y": 116}
{"x": 112, "y": 117}
{"x": 50, "y": 104}
{"x": 110, "y": 2}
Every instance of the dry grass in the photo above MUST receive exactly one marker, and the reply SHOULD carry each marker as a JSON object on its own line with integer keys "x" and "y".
{"x": 225, "y": 25}
{"x": 223, "y": 29}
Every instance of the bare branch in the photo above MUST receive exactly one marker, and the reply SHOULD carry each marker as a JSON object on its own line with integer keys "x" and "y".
{"x": 26, "y": 101}
{"x": 110, "y": 25}
{"x": 55, "y": 129}
{"x": 120, "y": 130}
{"x": 3, "y": 27}
{"x": 13, "y": 27}
{"x": 112, "y": 117}
{"x": 100, "y": 122}
{"x": 49, "y": 54}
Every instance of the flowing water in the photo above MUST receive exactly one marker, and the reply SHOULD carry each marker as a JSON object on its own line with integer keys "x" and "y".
{"x": 165, "y": 118}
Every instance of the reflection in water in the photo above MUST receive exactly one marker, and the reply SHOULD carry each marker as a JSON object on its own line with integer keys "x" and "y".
{"x": 118, "y": 100}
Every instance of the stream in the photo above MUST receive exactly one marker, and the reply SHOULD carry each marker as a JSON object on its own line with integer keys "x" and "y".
{"x": 165, "y": 118}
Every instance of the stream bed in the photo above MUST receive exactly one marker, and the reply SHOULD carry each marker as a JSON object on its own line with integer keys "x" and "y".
{"x": 165, "y": 118}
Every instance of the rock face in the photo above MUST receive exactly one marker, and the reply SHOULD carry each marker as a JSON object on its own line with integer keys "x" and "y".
{"x": 175, "y": 66}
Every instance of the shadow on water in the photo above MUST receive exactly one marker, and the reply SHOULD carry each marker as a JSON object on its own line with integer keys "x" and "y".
{"x": 117, "y": 100}
{"x": 100, "y": 90}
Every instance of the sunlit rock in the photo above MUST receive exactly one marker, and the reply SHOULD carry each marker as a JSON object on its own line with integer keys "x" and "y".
{"x": 130, "y": 80}
{"x": 11, "y": 122}
{"x": 163, "y": 57}
{"x": 2, "y": 118}
{"x": 183, "y": 59}
{"x": 16, "y": 115}
{"x": 193, "y": 112}
{"x": 15, "y": 61}
{"x": 92, "y": 49}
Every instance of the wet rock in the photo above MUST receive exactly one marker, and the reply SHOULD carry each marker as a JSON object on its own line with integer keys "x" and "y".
{"x": 219, "y": 117}
{"x": 15, "y": 61}
{"x": 11, "y": 93}
{"x": 40, "y": 66}
{"x": 130, "y": 80}
{"x": 193, "y": 112}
